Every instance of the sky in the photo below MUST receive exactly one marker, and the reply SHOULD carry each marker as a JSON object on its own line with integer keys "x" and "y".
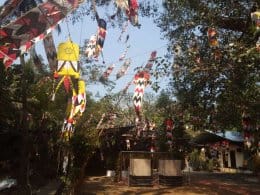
{"x": 142, "y": 42}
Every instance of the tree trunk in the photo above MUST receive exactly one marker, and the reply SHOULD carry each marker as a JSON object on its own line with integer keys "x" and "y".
{"x": 23, "y": 177}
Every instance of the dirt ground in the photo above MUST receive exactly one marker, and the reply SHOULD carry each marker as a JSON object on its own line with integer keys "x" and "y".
{"x": 200, "y": 183}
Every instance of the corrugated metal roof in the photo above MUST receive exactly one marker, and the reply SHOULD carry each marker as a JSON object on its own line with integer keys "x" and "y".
{"x": 230, "y": 135}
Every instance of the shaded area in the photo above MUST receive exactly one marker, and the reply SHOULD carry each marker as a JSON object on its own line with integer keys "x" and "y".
{"x": 201, "y": 183}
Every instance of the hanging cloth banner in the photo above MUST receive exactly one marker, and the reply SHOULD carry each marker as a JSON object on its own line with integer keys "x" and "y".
{"x": 106, "y": 74}
{"x": 36, "y": 60}
{"x": 123, "y": 69}
{"x": 151, "y": 60}
{"x": 17, "y": 37}
{"x": 141, "y": 80}
{"x": 50, "y": 51}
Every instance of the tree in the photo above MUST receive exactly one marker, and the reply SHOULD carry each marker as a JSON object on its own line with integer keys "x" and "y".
{"x": 213, "y": 78}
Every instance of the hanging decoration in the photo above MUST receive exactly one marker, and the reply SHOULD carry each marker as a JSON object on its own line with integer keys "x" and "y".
{"x": 126, "y": 87}
{"x": 169, "y": 125}
{"x": 130, "y": 7}
{"x": 13, "y": 9}
{"x": 36, "y": 60}
{"x": 151, "y": 60}
{"x": 68, "y": 56}
{"x": 255, "y": 16}
{"x": 77, "y": 107}
{"x": 50, "y": 51}
{"x": 105, "y": 75}
{"x": 141, "y": 80}
{"x": 122, "y": 71}
{"x": 18, "y": 36}
{"x": 91, "y": 47}
{"x": 96, "y": 42}
{"x": 258, "y": 44}
{"x": 122, "y": 57}
{"x": 101, "y": 35}
{"x": 212, "y": 37}
{"x": 124, "y": 29}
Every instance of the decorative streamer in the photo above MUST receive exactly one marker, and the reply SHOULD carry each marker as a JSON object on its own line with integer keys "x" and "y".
{"x": 124, "y": 29}
{"x": 169, "y": 124}
{"x": 91, "y": 47}
{"x": 50, "y": 51}
{"x": 141, "y": 80}
{"x": 255, "y": 16}
{"x": 106, "y": 74}
{"x": 122, "y": 57}
{"x": 17, "y": 37}
{"x": 36, "y": 60}
{"x": 151, "y": 60}
{"x": 123, "y": 69}
{"x": 78, "y": 105}
{"x": 132, "y": 12}
{"x": 101, "y": 35}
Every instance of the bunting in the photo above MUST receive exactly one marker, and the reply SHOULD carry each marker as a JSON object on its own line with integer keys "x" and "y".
{"x": 18, "y": 37}
{"x": 122, "y": 71}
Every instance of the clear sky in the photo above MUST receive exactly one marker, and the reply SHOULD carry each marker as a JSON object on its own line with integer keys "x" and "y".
{"x": 142, "y": 42}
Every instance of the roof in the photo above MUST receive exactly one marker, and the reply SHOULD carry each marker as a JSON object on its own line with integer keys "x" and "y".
{"x": 211, "y": 137}
{"x": 234, "y": 136}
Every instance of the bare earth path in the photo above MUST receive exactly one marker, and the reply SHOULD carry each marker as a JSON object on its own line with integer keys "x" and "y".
{"x": 200, "y": 183}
